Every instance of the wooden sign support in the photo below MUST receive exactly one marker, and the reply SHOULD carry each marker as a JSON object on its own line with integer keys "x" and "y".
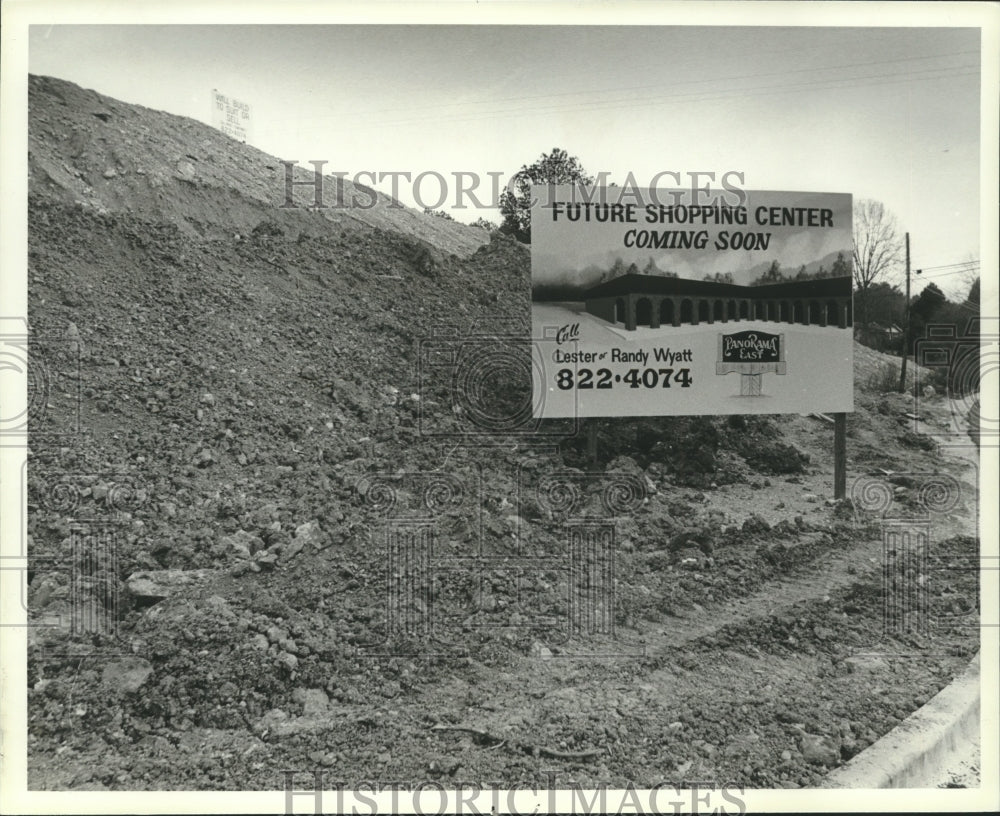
{"x": 592, "y": 442}
{"x": 839, "y": 455}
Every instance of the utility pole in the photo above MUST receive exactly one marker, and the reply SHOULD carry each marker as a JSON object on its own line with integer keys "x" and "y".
{"x": 906, "y": 326}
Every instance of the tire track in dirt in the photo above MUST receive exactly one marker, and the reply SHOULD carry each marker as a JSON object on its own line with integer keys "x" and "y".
{"x": 563, "y": 691}
{"x": 820, "y": 577}
{"x": 832, "y": 570}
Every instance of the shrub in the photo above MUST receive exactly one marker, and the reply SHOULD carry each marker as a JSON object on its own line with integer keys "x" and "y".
{"x": 885, "y": 379}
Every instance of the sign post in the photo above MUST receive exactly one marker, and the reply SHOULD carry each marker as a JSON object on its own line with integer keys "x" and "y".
{"x": 592, "y": 443}
{"x": 839, "y": 455}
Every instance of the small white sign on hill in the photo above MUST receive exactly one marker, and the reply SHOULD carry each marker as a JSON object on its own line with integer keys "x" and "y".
{"x": 231, "y": 116}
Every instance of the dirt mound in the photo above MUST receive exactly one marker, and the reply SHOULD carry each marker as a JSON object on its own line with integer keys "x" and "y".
{"x": 114, "y": 157}
{"x": 877, "y": 372}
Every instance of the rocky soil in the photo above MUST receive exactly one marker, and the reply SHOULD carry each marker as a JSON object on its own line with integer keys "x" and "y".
{"x": 237, "y": 401}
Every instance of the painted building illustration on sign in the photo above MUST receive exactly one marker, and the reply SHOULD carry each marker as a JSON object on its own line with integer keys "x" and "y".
{"x": 653, "y": 303}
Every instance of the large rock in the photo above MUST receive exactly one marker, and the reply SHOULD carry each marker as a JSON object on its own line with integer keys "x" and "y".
{"x": 313, "y": 700}
{"x": 242, "y": 544}
{"x": 308, "y": 534}
{"x": 126, "y": 674}
{"x": 154, "y": 585}
{"x": 820, "y": 750}
{"x": 866, "y": 663}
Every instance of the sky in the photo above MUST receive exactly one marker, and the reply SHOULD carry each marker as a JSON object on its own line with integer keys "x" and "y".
{"x": 878, "y": 112}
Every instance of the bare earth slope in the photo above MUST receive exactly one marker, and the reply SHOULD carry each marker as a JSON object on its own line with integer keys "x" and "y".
{"x": 114, "y": 157}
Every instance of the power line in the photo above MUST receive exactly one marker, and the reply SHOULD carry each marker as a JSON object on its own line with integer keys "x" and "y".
{"x": 937, "y": 275}
{"x": 687, "y": 98}
{"x": 657, "y": 86}
{"x": 950, "y": 268}
{"x": 957, "y": 263}
{"x": 830, "y": 83}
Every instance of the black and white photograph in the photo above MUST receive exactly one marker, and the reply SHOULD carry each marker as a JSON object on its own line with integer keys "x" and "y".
{"x": 499, "y": 408}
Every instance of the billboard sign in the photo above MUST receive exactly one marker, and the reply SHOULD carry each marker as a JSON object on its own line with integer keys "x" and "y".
{"x": 645, "y": 303}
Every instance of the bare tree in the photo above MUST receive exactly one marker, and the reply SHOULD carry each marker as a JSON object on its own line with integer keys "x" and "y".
{"x": 876, "y": 247}
{"x": 968, "y": 278}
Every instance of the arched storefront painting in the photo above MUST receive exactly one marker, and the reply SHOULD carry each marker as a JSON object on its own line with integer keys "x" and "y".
{"x": 654, "y": 301}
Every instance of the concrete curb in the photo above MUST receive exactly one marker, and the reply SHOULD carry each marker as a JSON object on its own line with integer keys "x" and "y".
{"x": 921, "y": 746}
